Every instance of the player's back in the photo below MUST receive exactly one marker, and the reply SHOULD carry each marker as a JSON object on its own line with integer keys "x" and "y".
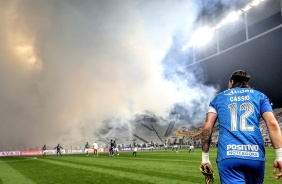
{"x": 239, "y": 110}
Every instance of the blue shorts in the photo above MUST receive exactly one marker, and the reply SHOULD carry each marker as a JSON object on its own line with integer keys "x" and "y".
{"x": 243, "y": 171}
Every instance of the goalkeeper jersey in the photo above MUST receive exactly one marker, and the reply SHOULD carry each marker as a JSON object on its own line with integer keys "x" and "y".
{"x": 239, "y": 111}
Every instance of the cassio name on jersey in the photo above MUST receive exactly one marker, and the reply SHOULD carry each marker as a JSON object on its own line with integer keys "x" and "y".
{"x": 239, "y": 98}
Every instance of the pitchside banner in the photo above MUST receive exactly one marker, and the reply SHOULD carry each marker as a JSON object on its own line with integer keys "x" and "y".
{"x": 74, "y": 151}
{"x": 31, "y": 152}
{"x": 38, "y": 152}
{"x": 53, "y": 152}
{"x": 48, "y": 152}
{"x": 9, "y": 153}
{"x": 92, "y": 150}
{"x": 130, "y": 149}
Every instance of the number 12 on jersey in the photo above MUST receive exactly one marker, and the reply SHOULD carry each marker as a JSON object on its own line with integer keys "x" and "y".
{"x": 242, "y": 120}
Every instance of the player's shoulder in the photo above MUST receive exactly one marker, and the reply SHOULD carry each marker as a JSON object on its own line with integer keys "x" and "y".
{"x": 221, "y": 95}
{"x": 259, "y": 93}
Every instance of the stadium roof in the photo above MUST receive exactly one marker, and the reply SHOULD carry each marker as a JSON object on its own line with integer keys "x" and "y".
{"x": 255, "y": 48}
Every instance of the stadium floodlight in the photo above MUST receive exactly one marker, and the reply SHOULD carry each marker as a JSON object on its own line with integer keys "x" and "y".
{"x": 247, "y": 7}
{"x": 202, "y": 36}
{"x": 255, "y": 2}
{"x": 218, "y": 26}
{"x": 231, "y": 17}
{"x": 240, "y": 12}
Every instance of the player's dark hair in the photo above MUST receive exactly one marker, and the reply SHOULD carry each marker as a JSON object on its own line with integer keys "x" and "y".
{"x": 240, "y": 79}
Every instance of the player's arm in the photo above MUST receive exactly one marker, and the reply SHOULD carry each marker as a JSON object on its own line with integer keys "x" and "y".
{"x": 273, "y": 129}
{"x": 276, "y": 139}
{"x": 206, "y": 135}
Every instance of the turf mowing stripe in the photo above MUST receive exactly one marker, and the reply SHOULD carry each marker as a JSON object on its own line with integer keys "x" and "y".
{"x": 116, "y": 173}
{"x": 20, "y": 160}
{"x": 165, "y": 160}
{"x": 9, "y": 175}
{"x": 140, "y": 167}
{"x": 143, "y": 163}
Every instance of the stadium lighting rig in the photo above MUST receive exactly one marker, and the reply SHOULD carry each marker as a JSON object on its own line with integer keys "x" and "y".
{"x": 203, "y": 35}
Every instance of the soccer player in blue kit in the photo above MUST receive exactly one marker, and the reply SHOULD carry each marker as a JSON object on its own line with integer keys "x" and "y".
{"x": 241, "y": 154}
{"x": 58, "y": 147}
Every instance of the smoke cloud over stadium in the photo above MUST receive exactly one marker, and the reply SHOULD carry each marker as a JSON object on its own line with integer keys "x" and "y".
{"x": 72, "y": 71}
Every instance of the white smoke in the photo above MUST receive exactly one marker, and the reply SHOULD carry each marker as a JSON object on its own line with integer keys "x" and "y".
{"x": 68, "y": 68}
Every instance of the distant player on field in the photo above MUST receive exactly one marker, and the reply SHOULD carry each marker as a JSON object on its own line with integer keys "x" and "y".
{"x": 44, "y": 150}
{"x": 175, "y": 147}
{"x": 58, "y": 147}
{"x": 86, "y": 147}
{"x": 116, "y": 148}
{"x": 165, "y": 144}
{"x": 191, "y": 149}
{"x": 95, "y": 147}
{"x": 111, "y": 151}
{"x": 135, "y": 148}
{"x": 152, "y": 146}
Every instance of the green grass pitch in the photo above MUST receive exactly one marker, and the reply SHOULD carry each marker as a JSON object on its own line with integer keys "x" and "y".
{"x": 157, "y": 167}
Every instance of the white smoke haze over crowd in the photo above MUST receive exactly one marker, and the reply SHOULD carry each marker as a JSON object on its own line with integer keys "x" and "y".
{"x": 68, "y": 68}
